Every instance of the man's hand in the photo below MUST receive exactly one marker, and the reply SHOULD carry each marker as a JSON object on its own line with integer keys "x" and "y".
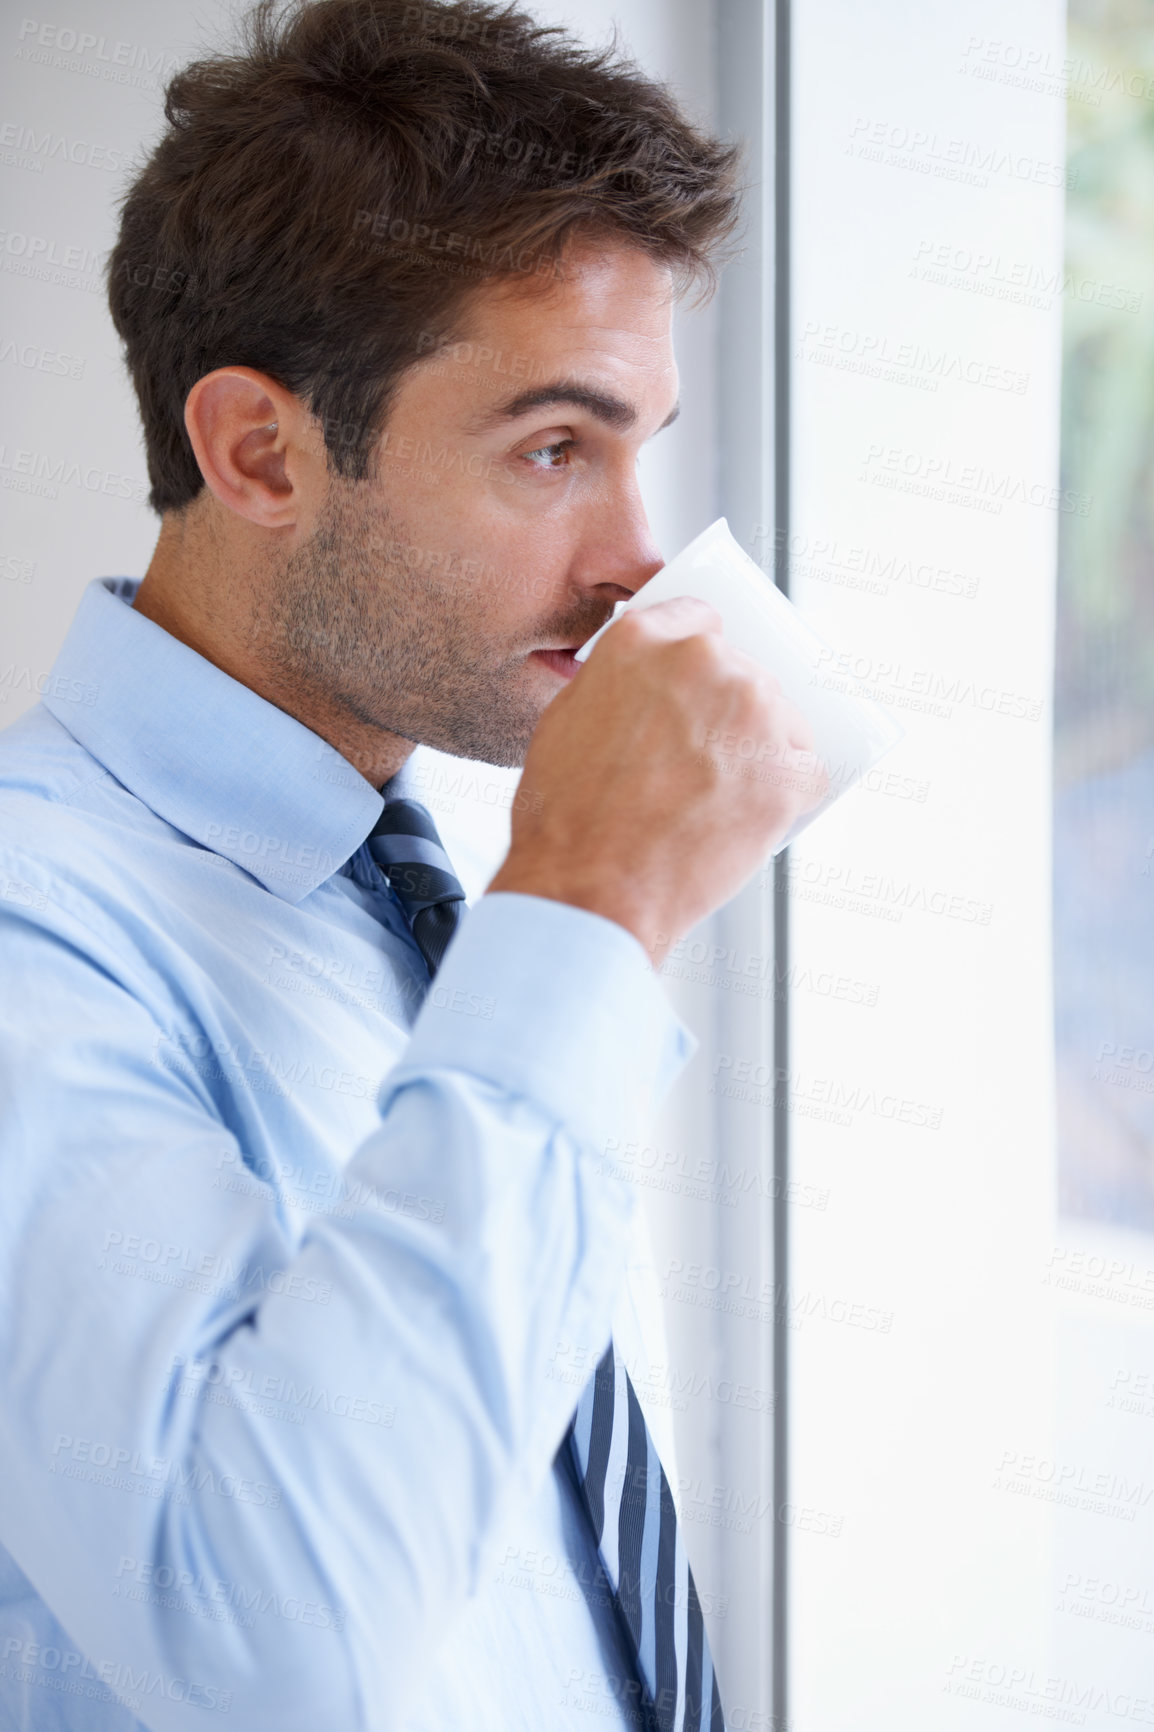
{"x": 660, "y": 777}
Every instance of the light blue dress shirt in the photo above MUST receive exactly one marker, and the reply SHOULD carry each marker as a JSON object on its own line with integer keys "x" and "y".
{"x": 287, "y": 1254}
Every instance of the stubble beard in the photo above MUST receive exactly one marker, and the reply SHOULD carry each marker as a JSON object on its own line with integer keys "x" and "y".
{"x": 356, "y": 620}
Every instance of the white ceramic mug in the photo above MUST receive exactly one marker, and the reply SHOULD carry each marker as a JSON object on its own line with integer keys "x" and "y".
{"x": 851, "y": 731}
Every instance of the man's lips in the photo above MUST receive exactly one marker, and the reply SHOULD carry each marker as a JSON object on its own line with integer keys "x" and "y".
{"x": 562, "y": 661}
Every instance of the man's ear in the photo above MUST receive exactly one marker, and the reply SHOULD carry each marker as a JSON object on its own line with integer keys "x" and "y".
{"x": 257, "y": 446}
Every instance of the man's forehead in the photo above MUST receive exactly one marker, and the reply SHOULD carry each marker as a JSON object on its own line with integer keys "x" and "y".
{"x": 612, "y": 309}
{"x": 586, "y": 275}
{"x": 598, "y": 340}
{"x": 622, "y": 306}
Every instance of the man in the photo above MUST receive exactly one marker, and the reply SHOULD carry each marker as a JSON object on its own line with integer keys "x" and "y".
{"x": 284, "y": 1270}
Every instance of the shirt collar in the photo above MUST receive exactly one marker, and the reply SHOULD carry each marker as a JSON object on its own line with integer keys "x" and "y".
{"x": 203, "y": 751}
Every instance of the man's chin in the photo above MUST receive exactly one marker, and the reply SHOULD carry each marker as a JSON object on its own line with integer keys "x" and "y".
{"x": 495, "y": 728}
{"x": 503, "y": 751}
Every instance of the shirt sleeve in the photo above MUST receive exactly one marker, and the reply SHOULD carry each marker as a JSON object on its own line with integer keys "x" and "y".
{"x": 158, "y": 1493}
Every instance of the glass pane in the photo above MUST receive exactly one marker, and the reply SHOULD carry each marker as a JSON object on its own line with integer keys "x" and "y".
{"x": 1104, "y": 674}
{"x": 1102, "y": 1263}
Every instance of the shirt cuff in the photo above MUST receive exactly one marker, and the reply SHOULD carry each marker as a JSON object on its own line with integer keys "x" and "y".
{"x": 557, "y": 1004}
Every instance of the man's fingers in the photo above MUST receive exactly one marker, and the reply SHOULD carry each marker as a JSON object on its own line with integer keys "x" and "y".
{"x": 755, "y": 727}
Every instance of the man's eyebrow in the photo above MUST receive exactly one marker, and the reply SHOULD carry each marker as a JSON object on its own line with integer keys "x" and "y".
{"x": 611, "y": 411}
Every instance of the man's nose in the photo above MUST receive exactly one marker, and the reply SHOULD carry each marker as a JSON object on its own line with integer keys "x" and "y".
{"x": 618, "y": 550}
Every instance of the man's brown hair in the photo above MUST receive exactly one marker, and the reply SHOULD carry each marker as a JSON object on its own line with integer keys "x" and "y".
{"x": 322, "y": 204}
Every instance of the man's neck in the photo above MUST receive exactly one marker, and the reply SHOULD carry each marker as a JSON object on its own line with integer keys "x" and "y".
{"x": 182, "y": 593}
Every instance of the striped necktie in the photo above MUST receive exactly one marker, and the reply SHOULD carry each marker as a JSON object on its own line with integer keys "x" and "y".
{"x": 405, "y": 845}
{"x": 622, "y": 1485}
{"x": 628, "y": 1501}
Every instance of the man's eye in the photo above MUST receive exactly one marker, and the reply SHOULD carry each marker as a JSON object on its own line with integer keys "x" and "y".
{"x": 550, "y": 456}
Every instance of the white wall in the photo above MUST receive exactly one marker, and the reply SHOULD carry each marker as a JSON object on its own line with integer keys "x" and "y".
{"x": 67, "y": 404}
